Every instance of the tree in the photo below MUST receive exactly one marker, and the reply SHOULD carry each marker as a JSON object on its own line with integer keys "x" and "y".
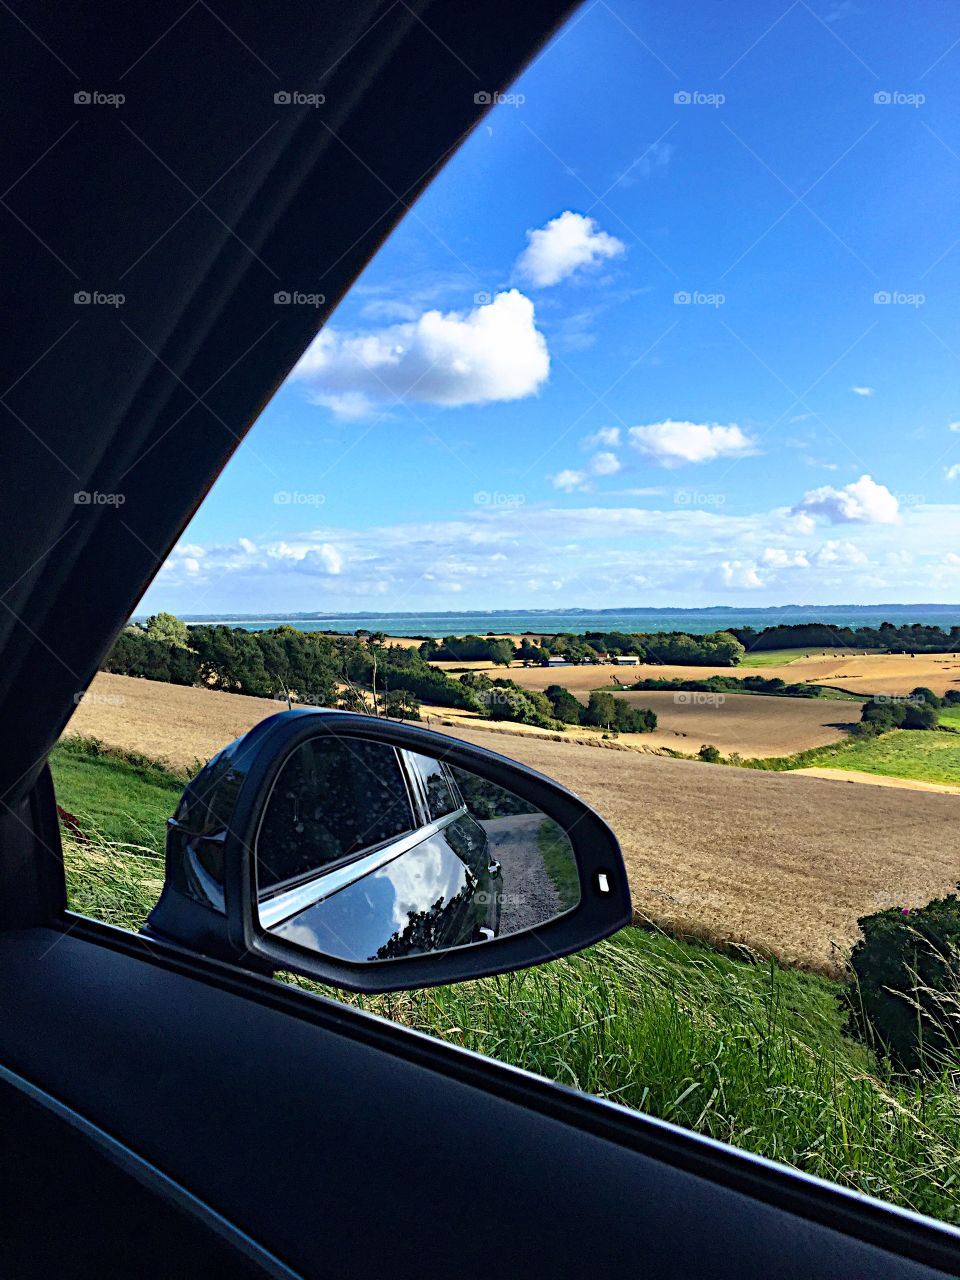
{"x": 919, "y": 715}
{"x": 925, "y": 695}
{"x": 401, "y": 704}
{"x": 565, "y": 705}
{"x": 168, "y": 628}
{"x": 601, "y": 709}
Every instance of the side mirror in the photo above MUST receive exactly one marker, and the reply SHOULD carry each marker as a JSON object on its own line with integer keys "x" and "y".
{"x": 375, "y": 856}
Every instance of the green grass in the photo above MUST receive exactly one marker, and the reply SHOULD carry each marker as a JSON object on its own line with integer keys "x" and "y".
{"x": 950, "y": 718}
{"x": 119, "y": 798}
{"x": 776, "y": 657}
{"x": 560, "y": 863}
{"x": 927, "y": 755}
{"x": 748, "y": 1053}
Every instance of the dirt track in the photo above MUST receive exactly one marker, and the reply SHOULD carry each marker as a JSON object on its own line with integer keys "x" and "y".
{"x": 781, "y": 862}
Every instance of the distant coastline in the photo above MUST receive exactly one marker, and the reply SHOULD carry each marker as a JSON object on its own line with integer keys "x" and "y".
{"x": 578, "y": 620}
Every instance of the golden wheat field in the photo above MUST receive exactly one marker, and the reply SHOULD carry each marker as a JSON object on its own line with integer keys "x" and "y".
{"x": 745, "y": 723}
{"x": 780, "y": 862}
{"x": 860, "y": 673}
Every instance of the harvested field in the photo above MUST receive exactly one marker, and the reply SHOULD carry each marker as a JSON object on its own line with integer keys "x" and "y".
{"x": 746, "y": 723}
{"x": 863, "y": 673}
{"x": 780, "y": 862}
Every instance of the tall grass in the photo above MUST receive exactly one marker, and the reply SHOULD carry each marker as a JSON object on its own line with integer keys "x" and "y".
{"x": 746, "y": 1052}
{"x": 750, "y": 1054}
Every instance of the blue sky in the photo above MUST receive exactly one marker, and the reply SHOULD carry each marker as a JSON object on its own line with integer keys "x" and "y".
{"x": 678, "y": 325}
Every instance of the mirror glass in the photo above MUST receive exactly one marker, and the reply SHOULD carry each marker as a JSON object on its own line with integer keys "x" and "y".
{"x": 367, "y": 852}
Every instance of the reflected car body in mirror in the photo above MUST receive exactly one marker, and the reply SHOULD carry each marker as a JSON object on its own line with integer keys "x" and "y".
{"x": 372, "y": 852}
{"x": 376, "y": 855}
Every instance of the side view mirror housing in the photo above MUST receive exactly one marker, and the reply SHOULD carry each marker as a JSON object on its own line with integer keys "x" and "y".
{"x": 377, "y": 856}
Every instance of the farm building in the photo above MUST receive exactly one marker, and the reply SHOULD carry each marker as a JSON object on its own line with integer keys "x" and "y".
{"x": 627, "y": 660}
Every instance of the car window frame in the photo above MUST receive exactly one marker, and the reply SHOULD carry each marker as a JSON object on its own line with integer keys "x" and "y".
{"x": 308, "y": 877}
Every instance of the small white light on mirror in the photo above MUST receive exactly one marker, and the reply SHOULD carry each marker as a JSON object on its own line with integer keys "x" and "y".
{"x": 603, "y": 882}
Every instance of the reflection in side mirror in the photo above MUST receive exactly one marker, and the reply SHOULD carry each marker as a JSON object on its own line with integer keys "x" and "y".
{"x": 369, "y": 852}
{"x": 378, "y": 856}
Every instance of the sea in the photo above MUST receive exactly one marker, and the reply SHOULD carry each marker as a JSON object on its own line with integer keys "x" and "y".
{"x": 550, "y": 622}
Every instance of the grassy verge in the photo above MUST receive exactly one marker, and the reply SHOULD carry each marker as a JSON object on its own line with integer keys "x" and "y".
{"x": 777, "y": 657}
{"x": 560, "y": 864}
{"x": 927, "y": 755}
{"x": 119, "y": 798}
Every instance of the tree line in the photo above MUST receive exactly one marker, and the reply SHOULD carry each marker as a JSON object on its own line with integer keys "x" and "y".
{"x": 915, "y": 637}
{"x": 719, "y": 648}
{"x": 356, "y": 673}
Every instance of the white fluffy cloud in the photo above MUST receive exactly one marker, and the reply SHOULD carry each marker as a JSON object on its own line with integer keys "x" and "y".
{"x": 863, "y": 391}
{"x": 780, "y": 558}
{"x": 833, "y": 552}
{"x": 606, "y": 437}
{"x": 740, "y": 573}
{"x": 493, "y": 352}
{"x": 862, "y": 502}
{"x": 671, "y": 444}
{"x": 952, "y": 472}
{"x": 564, "y": 246}
{"x": 576, "y": 554}
{"x": 604, "y": 464}
{"x": 601, "y": 464}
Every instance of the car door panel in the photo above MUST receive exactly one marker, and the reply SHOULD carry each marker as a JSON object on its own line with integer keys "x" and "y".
{"x": 329, "y": 1135}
